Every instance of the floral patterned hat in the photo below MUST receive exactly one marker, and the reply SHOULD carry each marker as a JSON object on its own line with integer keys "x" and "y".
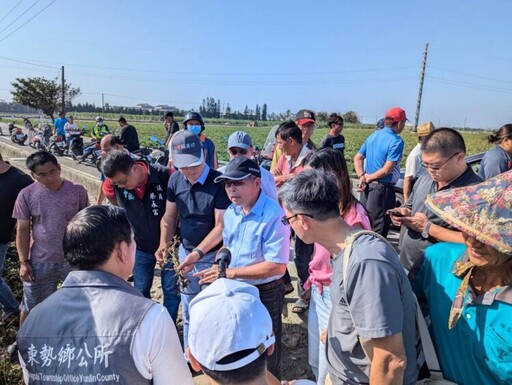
{"x": 483, "y": 211}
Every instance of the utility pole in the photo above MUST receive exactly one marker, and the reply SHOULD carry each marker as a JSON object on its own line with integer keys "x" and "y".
{"x": 420, "y": 91}
{"x": 63, "y": 102}
{"x": 102, "y": 103}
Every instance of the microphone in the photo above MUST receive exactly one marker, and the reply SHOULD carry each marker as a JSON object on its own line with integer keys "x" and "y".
{"x": 223, "y": 259}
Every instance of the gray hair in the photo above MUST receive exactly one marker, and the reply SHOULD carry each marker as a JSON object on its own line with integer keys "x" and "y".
{"x": 311, "y": 192}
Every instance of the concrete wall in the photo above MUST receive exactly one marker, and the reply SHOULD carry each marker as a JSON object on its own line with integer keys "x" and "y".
{"x": 16, "y": 155}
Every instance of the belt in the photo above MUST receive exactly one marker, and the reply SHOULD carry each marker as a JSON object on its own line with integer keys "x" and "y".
{"x": 270, "y": 285}
{"x": 384, "y": 183}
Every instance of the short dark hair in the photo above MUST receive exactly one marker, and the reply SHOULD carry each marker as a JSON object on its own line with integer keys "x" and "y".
{"x": 241, "y": 375}
{"x": 93, "y": 233}
{"x": 115, "y": 140}
{"x": 39, "y": 158}
{"x": 335, "y": 118}
{"x": 122, "y": 120}
{"x": 444, "y": 141}
{"x": 169, "y": 114}
{"x": 311, "y": 192}
{"x": 117, "y": 161}
{"x": 289, "y": 129}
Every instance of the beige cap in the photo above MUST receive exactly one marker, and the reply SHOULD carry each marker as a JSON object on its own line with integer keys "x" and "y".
{"x": 425, "y": 129}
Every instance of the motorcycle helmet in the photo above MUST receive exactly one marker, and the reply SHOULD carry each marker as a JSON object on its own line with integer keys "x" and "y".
{"x": 99, "y": 118}
{"x": 192, "y": 115}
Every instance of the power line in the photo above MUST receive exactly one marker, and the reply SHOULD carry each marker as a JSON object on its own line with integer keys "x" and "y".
{"x": 471, "y": 75}
{"x": 26, "y": 62}
{"x": 53, "y": 1}
{"x": 15, "y": 20}
{"x": 12, "y": 9}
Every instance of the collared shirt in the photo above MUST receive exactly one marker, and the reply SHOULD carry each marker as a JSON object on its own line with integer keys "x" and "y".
{"x": 196, "y": 205}
{"x": 257, "y": 237}
{"x": 413, "y": 244}
{"x": 478, "y": 350}
{"x": 286, "y": 166}
{"x": 380, "y": 147}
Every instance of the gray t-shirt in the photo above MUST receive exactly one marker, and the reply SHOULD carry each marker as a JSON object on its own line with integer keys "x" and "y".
{"x": 413, "y": 244}
{"x": 381, "y": 304}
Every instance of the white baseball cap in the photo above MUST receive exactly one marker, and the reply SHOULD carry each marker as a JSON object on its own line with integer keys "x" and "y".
{"x": 225, "y": 318}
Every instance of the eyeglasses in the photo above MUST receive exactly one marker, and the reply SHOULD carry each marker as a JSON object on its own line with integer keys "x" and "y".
{"x": 240, "y": 151}
{"x": 286, "y": 220}
{"x": 123, "y": 181}
{"x": 438, "y": 167}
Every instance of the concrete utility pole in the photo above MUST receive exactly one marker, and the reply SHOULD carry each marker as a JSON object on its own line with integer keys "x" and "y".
{"x": 103, "y": 104}
{"x": 420, "y": 91}
{"x": 63, "y": 102}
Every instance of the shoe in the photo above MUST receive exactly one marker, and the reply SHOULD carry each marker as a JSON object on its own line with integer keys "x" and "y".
{"x": 288, "y": 289}
{"x": 300, "y": 307}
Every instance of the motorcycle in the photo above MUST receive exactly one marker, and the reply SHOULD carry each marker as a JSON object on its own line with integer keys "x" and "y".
{"x": 41, "y": 140}
{"x": 57, "y": 145}
{"x": 18, "y": 136}
{"x": 91, "y": 155}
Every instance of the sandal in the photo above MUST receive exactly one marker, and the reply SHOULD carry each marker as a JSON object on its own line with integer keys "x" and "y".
{"x": 300, "y": 307}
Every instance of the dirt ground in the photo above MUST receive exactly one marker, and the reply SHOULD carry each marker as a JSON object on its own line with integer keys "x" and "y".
{"x": 294, "y": 361}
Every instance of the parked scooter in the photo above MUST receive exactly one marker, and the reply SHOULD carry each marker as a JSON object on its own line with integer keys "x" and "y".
{"x": 18, "y": 136}
{"x": 91, "y": 154}
{"x": 57, "y": 145}
{"x": 41, "y": 139}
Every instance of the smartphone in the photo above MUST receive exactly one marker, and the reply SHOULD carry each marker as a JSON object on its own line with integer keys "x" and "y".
{"x": 396, "y": 213}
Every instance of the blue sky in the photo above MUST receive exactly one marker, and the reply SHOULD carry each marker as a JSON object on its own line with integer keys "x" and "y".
{"x": 332, "y": 55}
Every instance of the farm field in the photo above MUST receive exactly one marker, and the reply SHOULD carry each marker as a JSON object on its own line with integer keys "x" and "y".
{"x": 354, "y": 136}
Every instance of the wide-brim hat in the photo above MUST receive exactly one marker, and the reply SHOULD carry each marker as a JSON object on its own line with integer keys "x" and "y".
{"x": 424, "y": 129}
{"x": 483, "y": 210}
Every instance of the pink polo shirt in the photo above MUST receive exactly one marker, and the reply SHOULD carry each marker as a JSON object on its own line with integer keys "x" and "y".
{"x": 320, "y": 265}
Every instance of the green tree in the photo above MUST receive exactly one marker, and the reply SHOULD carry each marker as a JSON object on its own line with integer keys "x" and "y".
{"x": 351, "y": 117}
{"x": 42, "y": 94}
{"x": 322, "y": 116}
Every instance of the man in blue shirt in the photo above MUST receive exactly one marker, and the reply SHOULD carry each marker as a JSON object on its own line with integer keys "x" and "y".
{"x": 258, "y": 241}
{"x": 382, "y": 152}
{"x": 59, "y": 124}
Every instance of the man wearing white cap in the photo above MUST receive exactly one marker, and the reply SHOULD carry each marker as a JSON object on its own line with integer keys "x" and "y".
{"x": 230, "y": 335}
{"x": 198, "y": 203}
{"x": 240, "y": 144}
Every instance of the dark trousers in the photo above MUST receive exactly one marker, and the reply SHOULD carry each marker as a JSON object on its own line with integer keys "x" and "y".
{"x": 273, "y": 300}
{"x": 303, "y": 253}
{"x": 378, "y": 198}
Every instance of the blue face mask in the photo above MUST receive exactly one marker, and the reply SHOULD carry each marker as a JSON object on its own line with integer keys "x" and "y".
{"x": 195, "y": 129}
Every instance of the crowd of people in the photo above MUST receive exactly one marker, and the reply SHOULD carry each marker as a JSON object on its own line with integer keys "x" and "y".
{"x": 223, "y": 237}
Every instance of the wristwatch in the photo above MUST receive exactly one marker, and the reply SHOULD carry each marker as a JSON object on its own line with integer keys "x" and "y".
{"x": 424, "y": 233}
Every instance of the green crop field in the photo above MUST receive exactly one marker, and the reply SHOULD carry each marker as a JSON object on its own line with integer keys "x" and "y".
{"x": 354, "y": 137}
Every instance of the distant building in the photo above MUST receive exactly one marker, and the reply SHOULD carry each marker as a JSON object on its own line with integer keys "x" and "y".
{"x": 164, "y": 107}
{"x": 144, "y": 107}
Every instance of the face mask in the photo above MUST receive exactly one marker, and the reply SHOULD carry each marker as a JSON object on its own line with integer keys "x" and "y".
{"x": 195, "y": 129}
{"x": 100, "y": 124}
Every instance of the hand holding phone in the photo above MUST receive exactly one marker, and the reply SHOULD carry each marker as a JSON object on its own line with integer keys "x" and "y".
{"x": 396, "y": 213}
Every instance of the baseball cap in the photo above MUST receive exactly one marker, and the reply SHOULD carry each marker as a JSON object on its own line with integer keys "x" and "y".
{"x": 186, "y": 149}
{"x": 425, "y": 129}
{"x": 226, "y": 318}
{"x": 396, "y": 114}
{"x": 239, "y": 139}
{"x": 305, "y": 116}
{"x": 238, "y": 169}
